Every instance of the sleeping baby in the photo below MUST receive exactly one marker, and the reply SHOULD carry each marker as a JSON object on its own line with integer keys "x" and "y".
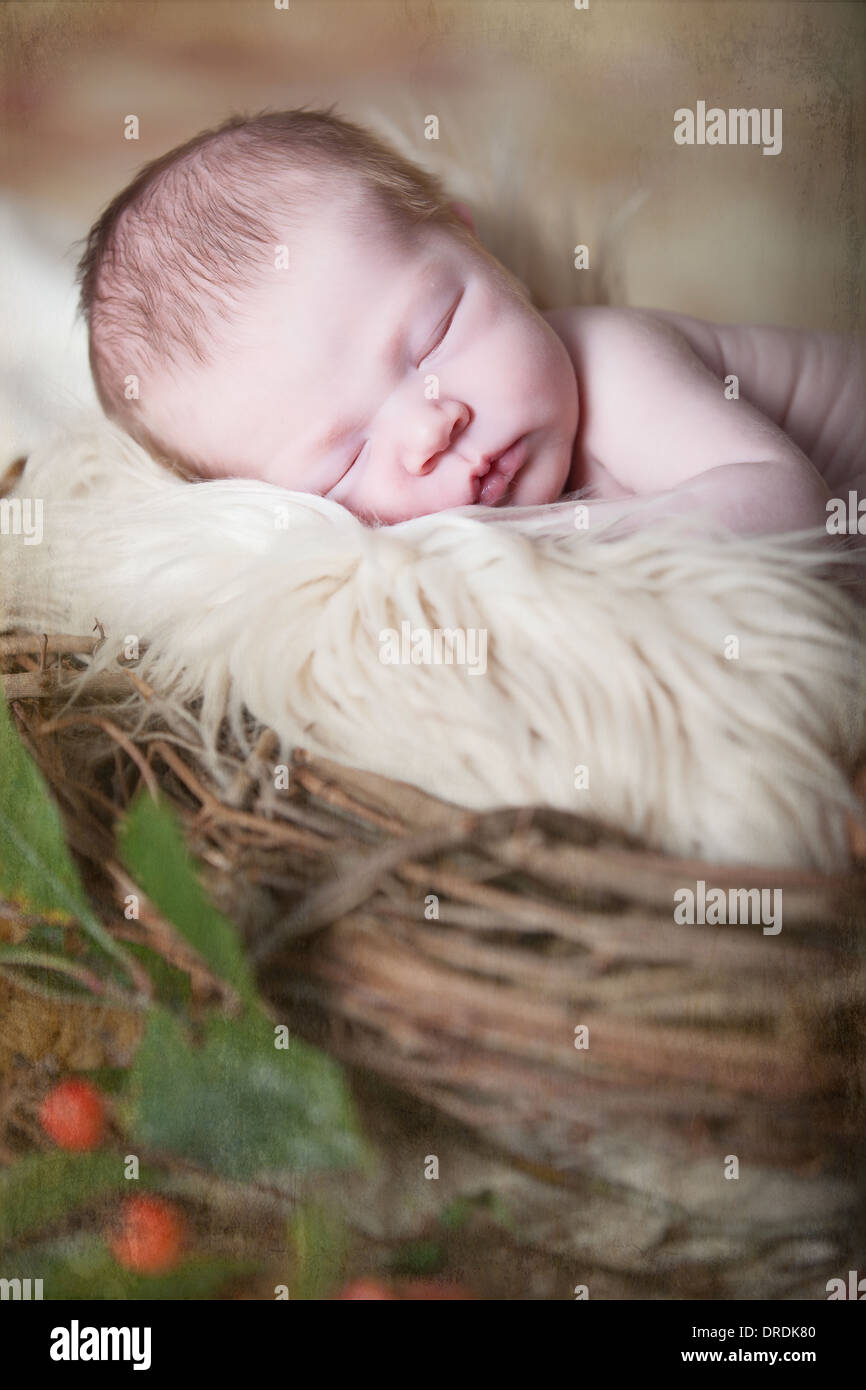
{"x": 285, "y": 298}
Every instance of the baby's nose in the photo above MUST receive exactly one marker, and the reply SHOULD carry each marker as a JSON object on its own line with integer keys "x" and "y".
{"x": 434, "y": 431}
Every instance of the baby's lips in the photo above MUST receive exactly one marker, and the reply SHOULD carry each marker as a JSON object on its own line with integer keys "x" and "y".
{"x": 501, "y": 475}
{"x": 493, "y": 488}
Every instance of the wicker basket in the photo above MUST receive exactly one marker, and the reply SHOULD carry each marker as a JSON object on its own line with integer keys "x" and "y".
{"x": 521, "y": 972}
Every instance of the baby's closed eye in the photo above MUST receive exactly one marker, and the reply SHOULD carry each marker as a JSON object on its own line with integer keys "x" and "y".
{"x": 443, "y": 330}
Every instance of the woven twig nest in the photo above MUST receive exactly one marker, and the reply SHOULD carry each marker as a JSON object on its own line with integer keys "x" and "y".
{"x": 520, "y": 970}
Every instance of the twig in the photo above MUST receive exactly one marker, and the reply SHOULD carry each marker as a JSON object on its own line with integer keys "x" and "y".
{"x": 334, "y": 795}
{"x": 41, "y": 685}
{"x": 343, "y": 894}
{"x": 43, "y": 960}
{"x": 126, "y": 1002}
{"x": 69, "y": 721}
{"x": 213, "y": 809}
{"x": 72, "y": 645}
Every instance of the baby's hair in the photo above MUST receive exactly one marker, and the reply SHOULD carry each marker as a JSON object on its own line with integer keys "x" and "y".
{"x": 180, "y": 248}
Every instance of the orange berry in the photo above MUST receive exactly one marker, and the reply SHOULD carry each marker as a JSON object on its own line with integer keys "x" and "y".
{"x": 73, "y": 1115}
{"x": 367, "y": 1289}
{"x": 150, "y": 1236}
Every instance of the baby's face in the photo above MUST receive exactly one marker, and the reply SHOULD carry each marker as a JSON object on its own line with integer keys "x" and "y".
{"x": 388, "y": 379}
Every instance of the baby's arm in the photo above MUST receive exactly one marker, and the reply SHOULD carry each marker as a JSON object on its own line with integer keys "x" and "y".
{"x": 745, "y": 497}
{"x": 656, "y": 419}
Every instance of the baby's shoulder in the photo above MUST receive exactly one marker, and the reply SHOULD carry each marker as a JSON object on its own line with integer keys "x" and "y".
{"x": 591, "y": 331}
{"x": 585, "y": 322}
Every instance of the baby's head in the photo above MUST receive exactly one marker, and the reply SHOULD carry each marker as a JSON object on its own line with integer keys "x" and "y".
{"x": 285, "y": 298}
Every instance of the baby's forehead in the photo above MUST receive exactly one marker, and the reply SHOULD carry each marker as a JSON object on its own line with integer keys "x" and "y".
{"x": 345, "y": 264}
{"x": 358, "y": 237}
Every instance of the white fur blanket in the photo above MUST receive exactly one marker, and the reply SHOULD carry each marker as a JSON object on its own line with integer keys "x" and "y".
{"x": 705, "y": 695}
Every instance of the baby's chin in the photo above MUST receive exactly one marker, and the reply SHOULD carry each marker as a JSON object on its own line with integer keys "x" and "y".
{"x": 540, "y": 480}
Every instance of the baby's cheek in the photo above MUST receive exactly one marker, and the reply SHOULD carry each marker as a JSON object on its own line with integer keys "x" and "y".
{"x": 376, "y": 498}
{"x": 559, "y": 381}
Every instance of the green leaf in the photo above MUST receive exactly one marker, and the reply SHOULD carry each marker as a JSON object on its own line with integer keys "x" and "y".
{"x": 37, "y": 870}
{"x": 457, "y": 1213}
{"x": 42, "y": 1188}
{"x": 112, "y": 1080}
{"x": 80, "y": 1267}
{"x": 420, "y": 1257}
{"x": 171, "y": 984}
{"x": 42, "y": 936}
{"x": 237, "y": 1104}
{"x": 156, "y": 854}
{"x": 320, "y": 1242}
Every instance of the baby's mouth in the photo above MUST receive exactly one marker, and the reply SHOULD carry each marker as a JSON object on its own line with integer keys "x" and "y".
{"x": 501, "y": 474}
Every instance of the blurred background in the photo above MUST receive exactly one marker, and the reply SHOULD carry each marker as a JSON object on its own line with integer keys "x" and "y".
{"x": 556, "y": 125}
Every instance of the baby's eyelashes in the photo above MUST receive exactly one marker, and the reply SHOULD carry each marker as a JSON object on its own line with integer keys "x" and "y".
{"x": 357, "y": 456}
{"x": 348, "y": 467}
{"x": 443, "y": 330}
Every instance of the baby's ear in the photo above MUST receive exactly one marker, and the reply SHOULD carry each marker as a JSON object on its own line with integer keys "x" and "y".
{"x": 464, "y": 214}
